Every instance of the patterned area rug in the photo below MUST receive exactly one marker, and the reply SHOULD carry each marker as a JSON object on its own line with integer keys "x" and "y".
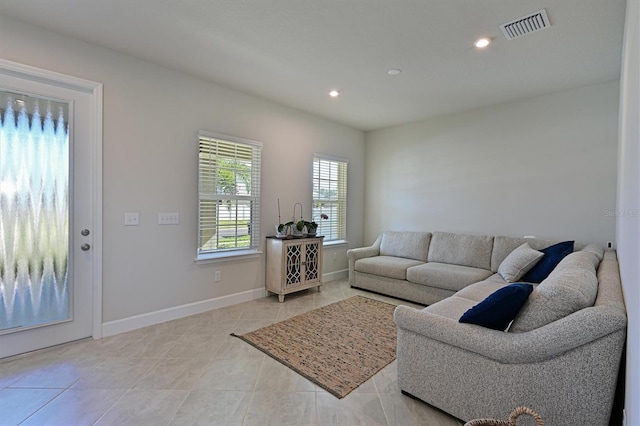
{"x": 338, "y": 347}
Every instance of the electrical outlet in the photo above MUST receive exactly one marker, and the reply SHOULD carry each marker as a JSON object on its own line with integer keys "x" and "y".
{"x": 131, "y": 219}
{"x": 217, "y": 276}
{"x": 335, "y": 257}
{"x": 168, "y": 218}
{"x": 609, "y": 244}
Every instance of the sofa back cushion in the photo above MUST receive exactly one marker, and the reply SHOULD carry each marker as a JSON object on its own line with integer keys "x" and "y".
{"x": 573, "y": 285}
{"x": 595, "y": 249}
{"x": 461, "y": 249}
{"x": 503, "y": 246}
{"x": 410, "y": 245}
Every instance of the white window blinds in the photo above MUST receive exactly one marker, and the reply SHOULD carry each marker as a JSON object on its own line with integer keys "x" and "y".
{"x": 229, "y": 194}
{"x": 330, "y": 196}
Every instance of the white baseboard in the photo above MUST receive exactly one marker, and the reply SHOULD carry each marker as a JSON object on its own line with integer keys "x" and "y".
{"x": 334, "y": 276}
{"x": 112, "y": 328}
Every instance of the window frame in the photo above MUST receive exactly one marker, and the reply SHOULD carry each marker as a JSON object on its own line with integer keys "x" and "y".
{"x": 340, "y": 204}
{"x": 216, "y": 139}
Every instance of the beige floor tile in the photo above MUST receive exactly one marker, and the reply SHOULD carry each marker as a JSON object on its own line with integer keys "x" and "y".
{"x": 245, "y": 326}
{"x": 60, "y": 373}
{"x": 144, "y": 407}
{"x": 275, "y": 377}
{"x": 291, "y": 310}
{"x": 213, "y": 408}
{"x": 403, "y": 410}
{"x": 18, "y": 404}
{"x": 106, "y": 347}
{"x": 230, "y": 374}
{"x": 386, "y": 380}
{"x": 196, "y": 346}
{"x": 116, "y": 373}
{"x": 282, "y": 409}
{"x": 173, "y": 373}
{"x": 177, "y": 327}
{"x": 76, "y": 407}
{"x": 15, "y": 369}
{"x": 153, "y": 345}
{"x": 235, "y": 348}
{"x": 354, "y": 409}
{"x": 258, "y": 312}
{"x": 209, "y": 326}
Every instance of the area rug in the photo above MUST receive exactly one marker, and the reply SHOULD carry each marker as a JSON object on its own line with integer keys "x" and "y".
{"x": 338, "y": 346}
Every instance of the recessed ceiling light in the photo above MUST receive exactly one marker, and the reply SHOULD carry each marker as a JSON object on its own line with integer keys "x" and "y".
{"x": 394, "y": 71}
{"x": 482, "y": 42}
{"x": 334, "y": 93}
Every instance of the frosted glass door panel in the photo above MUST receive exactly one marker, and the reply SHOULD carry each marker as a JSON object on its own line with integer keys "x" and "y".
{"x": 34, "y": 212}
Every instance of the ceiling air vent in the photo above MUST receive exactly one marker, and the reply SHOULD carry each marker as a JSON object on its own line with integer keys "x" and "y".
{"x": 527, "y": 24}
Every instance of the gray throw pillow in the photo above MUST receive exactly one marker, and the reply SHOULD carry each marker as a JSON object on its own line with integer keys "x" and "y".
{"x": 519, "y": 262}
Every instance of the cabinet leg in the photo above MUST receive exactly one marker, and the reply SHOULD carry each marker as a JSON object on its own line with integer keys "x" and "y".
{"x": 319, "y": 288}
{"x": 281, "y": 298}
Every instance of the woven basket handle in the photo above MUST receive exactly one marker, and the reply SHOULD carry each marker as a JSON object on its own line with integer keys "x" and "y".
{"x": 525, "y": 410}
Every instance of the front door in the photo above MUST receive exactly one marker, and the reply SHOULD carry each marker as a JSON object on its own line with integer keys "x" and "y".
{"x": 49, "y": 134}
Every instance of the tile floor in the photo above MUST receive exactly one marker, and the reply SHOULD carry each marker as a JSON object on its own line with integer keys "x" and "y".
{"x": 191, "y": 372}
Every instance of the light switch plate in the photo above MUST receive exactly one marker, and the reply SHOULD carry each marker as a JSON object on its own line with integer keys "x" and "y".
{"x": 168, "y": 218}
{"x": 132, "y": 219}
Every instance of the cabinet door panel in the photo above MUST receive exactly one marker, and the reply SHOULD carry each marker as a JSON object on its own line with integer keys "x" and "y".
{"x": 312, "y": 260}
{"x": 293, "y": 262}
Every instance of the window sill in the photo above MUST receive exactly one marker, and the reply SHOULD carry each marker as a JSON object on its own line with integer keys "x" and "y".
{"x": 228, "y": 256}
{"x": 335, "y": 243}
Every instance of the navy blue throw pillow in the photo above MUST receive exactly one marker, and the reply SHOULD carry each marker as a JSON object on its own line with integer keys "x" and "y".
{"x": 552, "y": 256}
{"x": 499, "y": 308}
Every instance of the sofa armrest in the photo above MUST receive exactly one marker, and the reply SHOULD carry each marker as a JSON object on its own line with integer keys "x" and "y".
{"x": 360, "y": 253}
{"x": 536, "y": 345}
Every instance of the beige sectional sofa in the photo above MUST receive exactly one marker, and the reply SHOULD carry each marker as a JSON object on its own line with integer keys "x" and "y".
{"x": 560, "y": 355}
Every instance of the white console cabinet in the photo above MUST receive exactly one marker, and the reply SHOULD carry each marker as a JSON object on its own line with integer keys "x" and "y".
{"x": 293, "y": 264}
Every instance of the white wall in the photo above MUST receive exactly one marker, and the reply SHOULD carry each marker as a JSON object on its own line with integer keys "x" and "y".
{"x": 544, "y": 166}
{"x": 151, "y": 118}
{"x": 628, "y": 229}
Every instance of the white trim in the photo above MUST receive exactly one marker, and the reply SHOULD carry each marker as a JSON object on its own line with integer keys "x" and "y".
{"x": 331, "y": 158}
{"x": 225, "y": 256}
{"x": 144, "y": 320}
{"x": 227, "y": 138}
{"x": 335, "y": 276}
{"x": 40, "y": 75}
{"x": 96, "y": 276}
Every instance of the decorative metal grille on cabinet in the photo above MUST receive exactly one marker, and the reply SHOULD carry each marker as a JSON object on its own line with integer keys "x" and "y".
{"x": 311, "y": 262}
{"x": 294, "y": 264}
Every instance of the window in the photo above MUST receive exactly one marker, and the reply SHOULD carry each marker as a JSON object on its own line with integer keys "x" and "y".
{"x": 330, "y": 196}
{"x": 229, "y": 194}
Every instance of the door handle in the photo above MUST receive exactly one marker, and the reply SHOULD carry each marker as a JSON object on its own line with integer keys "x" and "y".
{"x": 85, "y": 247}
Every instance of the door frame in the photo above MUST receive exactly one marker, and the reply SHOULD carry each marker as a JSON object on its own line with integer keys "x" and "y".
{"x": 28, "y": 72}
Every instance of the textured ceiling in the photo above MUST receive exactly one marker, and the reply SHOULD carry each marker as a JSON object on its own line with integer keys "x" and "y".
{"x": 294, "y": 51}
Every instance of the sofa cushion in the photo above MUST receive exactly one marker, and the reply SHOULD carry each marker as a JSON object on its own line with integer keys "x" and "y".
{"x": 480, "y": 290}
{"x": 412, "y": 245}
{"x": 573, "y": 285}
{"x": 498, "y": 309}
{"x": 519, "y": 262}
{"x": 503, "y": 246}
{"x": 452, "y": 307}
{"x": 386, "y": 266}
{"x": 552, "y": 256}
{"x": 595, "y": 249}
{"x": 443, "y": 275}
{"x": 461, "y": 249}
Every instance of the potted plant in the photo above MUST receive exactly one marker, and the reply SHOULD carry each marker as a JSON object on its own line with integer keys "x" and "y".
{"x": 312, "y": 227}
